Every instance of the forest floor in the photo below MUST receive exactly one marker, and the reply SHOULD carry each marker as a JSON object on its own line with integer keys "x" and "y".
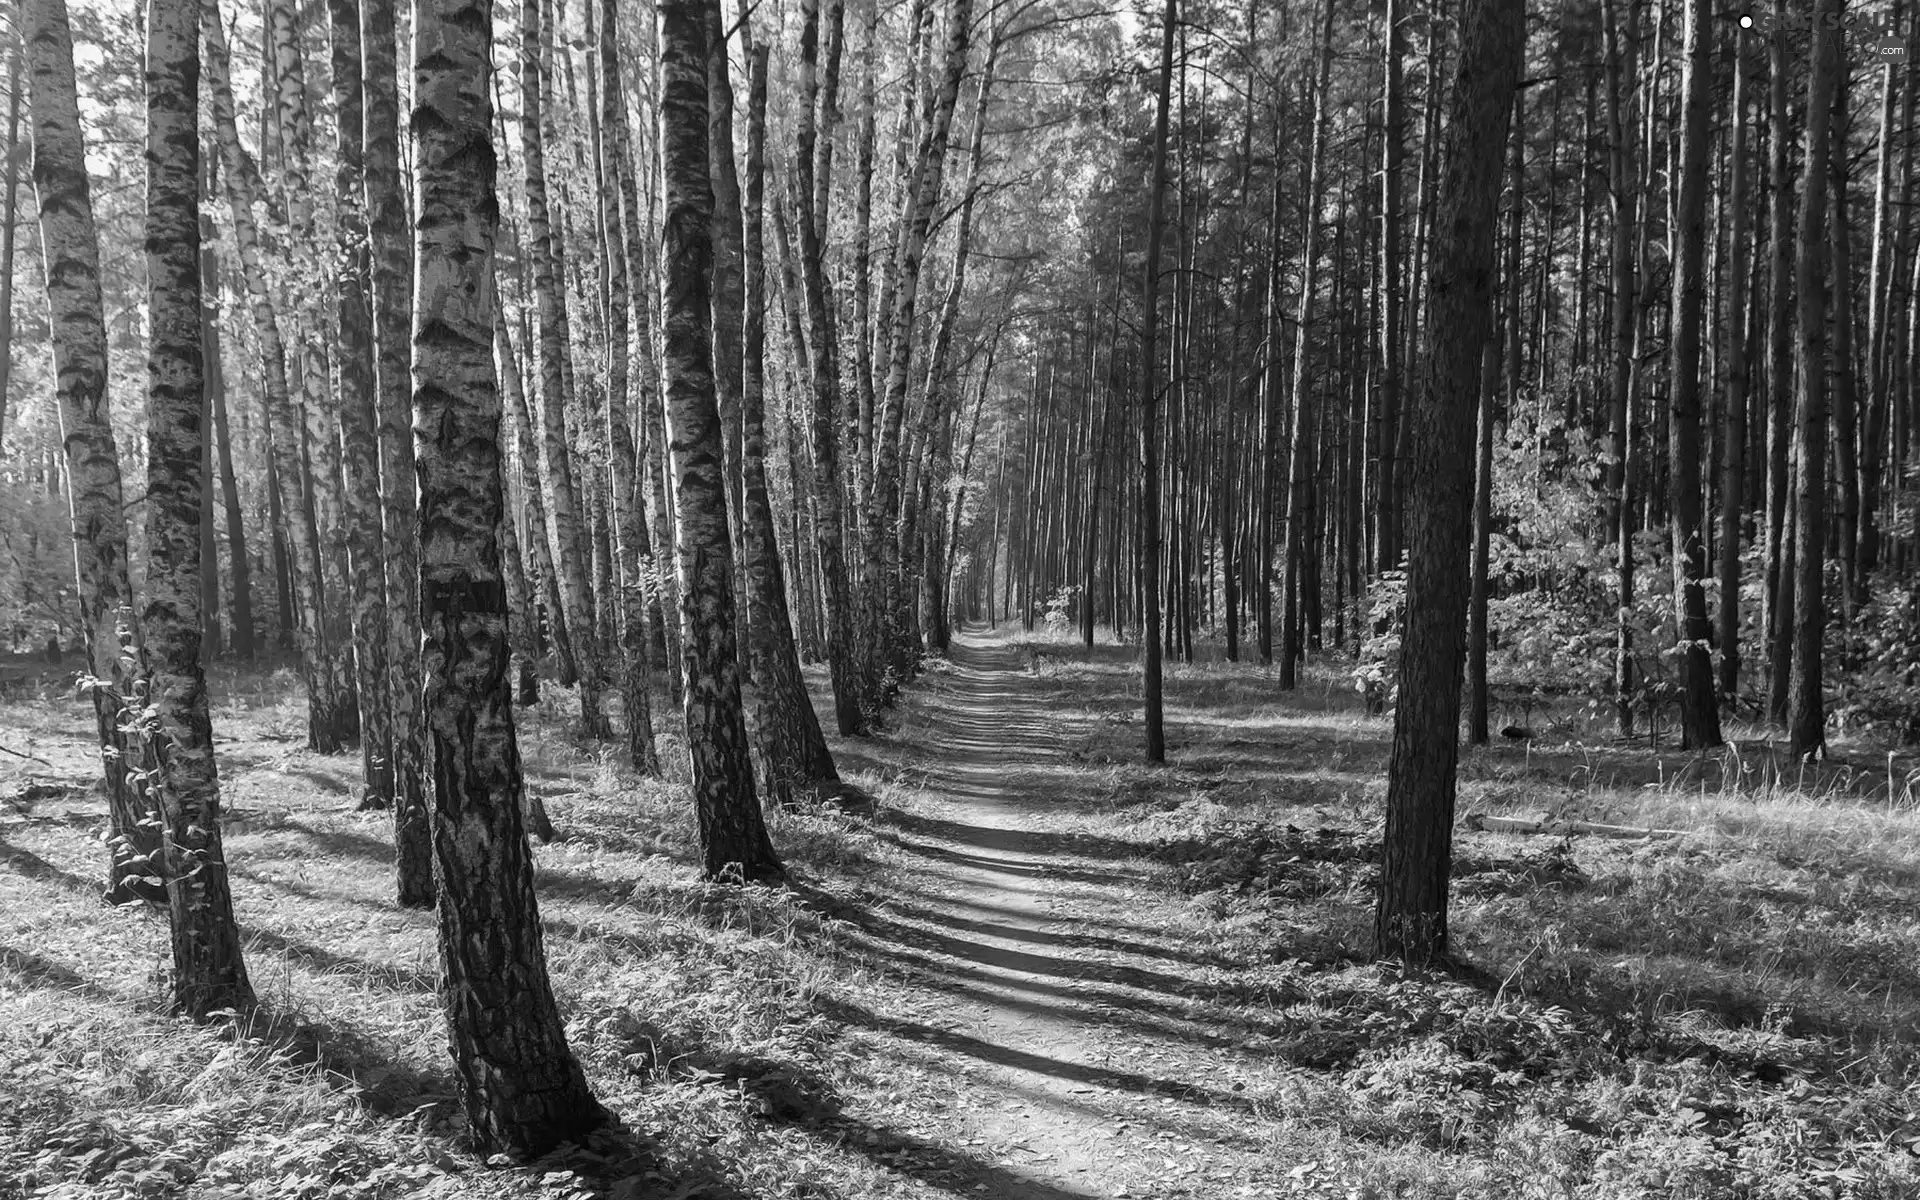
{"x": 1029, "y": 967}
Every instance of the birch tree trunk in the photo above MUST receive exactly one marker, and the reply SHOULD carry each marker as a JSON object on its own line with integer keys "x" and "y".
{"x": 244, "y": 191}
{"x": 570, "y": 547}
{"x": 391, "y": 280}
{"x": 70, "y": 248}
{"x": 209, "y": 974}
{"x": 797, "y": 761}
{"x": 630, "y": 519}
{"x": 354, "y": 360}
{"x": 524, "y": 1092}
{"x": 733, "y": 837}
{"x": 852, "y": 703}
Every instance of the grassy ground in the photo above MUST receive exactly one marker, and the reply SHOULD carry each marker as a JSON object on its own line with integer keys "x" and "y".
{"x": 1728, "y": 1013}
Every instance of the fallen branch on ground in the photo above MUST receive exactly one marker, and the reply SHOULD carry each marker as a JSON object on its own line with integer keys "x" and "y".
{"x": 22, "y": 754}
{"x": 1487, "y": 824}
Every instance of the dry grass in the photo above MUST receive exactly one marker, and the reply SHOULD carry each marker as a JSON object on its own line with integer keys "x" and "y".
{"x": 1730, "y": 1013}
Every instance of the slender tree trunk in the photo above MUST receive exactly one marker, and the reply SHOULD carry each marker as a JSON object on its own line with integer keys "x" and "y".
{"x": 732, "y": 836}
{"x": 1299, "y": 456}
{"x": 1417, "y": 852}
{"x": 571, "y": 549}
{"x": 390, "y": 279}
{"x": 1620, "y": 377}
{"x": 1780, "y": 578}
{"x": 1699, "y": 707}
{"x": 1806, "y": 714}
{"x": 1738, "y": 384}
{"x": 630, "y": 520}
{"x": 851, "y": 702}
{"x": 795, "y": 752}
{"x": 1150, "y": 431}
{"x": 9, "y": 206}
{"x": 1386, "y": 493}
{"x": 244, "y": 191}
{"x": 70, "y": 250}
{"x": 208, "y": 972}
{"x": 354, "y": 359}
{"x": 524, "y": 1091}
{"x": 1477, "y": 699}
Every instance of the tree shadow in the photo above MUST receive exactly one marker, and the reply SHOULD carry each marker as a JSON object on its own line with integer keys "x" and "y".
{"x": 389, "y": 976}
{"x": 27, "y": 863}
{"x": 1016, "y": 841}
{"x": 848, "y": 1013}
{"x": 40, "y": 971}
{"x": 348, "y": 1060}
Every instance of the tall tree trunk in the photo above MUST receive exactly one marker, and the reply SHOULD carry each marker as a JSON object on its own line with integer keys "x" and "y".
{"x": 1620, "y": 376}
{"x": 391, "y": 279}
{"x": 524, "y": 1091}
{"x": 795, "y": 751}
{"x": 571, "y": 551}
{"x": 1699, "y": 706}
{"x": 70, "y": 249}
{"x": 312, "y": 438}
{"x": 630, "y": 520}
{"x": 1411, "y": 918}
{"x": 1299, "y": 455}
{"x": 732, "y": 836}
{"x": 1738, "y": 384}
{"x": 883, "y": 585}
{"x": 244, "y": 191}
{"x": 208, "y": 972}
{"x": 1150, "y": 431}
{"x": 1806, "y": 715}
{"x": 1780, "y": 579}
{"x": 9, "y": 206}
{"x": 1386, "y": 514}
{"x": 354, "y": 360}
{"x": 851, "y": 702}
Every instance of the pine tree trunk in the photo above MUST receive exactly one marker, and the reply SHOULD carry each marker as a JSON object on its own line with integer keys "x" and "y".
{"x": 732, "y": 836}
{"x": 1150, "y": 430}
{"x": 208, "y": 973}
{"x": 1780, "y": 578}
{"x": 1392, "y": 268}
{"x": 1699, "y": 706}
{"x": 1806, "y": 715}
{"x": 1417, "y": 852}
{"x": 524, "y": 1091}
{"x": 792, "y": 745}
{"x": 1620, "y": 374}
{"x": 70, "y": 249}
{"x": 1733, "y": 501}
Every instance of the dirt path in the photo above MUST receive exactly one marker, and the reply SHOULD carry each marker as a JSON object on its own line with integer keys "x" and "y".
{"x": 1087, "y": 1068}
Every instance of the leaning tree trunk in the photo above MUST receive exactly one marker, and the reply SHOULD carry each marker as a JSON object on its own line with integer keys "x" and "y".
{"x": 524, "y": 1091}
{"x": 1417, "y": 853}
{"x": 733, "y": 837}
{"x": 70, "y": 248}
{"x": 392, "y": 286}
{"x": 208, "y": 972}
{"x": 795, "y": 751}
{"x": 1699, "y": 706}
{"x": 1806, "y": 718}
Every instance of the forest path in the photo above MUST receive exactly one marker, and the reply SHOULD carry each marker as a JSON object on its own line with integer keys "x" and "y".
{"x": 1065, "y": 1019}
